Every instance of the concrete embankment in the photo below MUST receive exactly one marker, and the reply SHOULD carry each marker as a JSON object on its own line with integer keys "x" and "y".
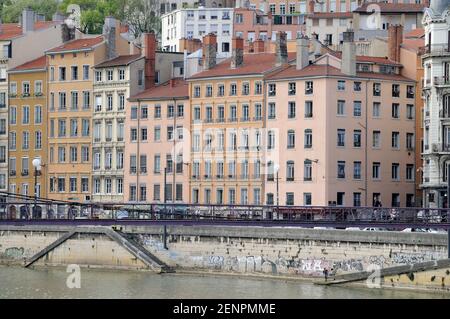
{"x": 285, "y": 252}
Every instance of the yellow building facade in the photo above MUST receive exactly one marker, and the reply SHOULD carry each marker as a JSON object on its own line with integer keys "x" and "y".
{"x": 28, "y": 128}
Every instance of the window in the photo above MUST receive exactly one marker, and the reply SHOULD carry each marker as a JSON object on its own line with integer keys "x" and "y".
{"x": 396, "y": 140}
{"x": 292, "y": 89}
{"x": 85, "y": 72}
{"x": 290, "y": 171}
{"x": 245, "y": 113}
{"x": 291, "y": 139}
{"x": 341, "y": 169}
{"x": 356, "y": 199}
{"x": 61, "y": 184}
{"x": 289, "y": 198}
{"x": 258, "y": 88}
{"x": 73, "y": 154}
{"x": 220, "y": 90}
{"x": 410, "y": 92}
{"x": 291, "y": 110}
{"x": 26, "y": 115}
{"x": 341, "y": 85}
{"x": 357, "y": 108}
{"x": 309, "y": 87}
{"x": 395, "y": 175}
{"x": 157, "y": 192}
{"x": 61, "y": 154}
{"x": 307, "y": 170}
{"x": 308, "y": 138}
{"x": 376, "y": 109}
{"x": 109, "y": 75}
{"x": 157, "y": 134}
{"x": 143, "y": 164}
{"x": 86, "y": 100}
{"x": 157, "y": 164}
{"x": 376, "y": 170}
{"x": 308, "y": 109}
{"x": 244, "y": 196}
{"x": 84, "y": 154}
{"x": 74, "y": 73}
{"x": 410, "y": 172}
{"x": 62, "y": 73}
{"x": 37, "y": 114}
{"x": 357, "y": 138}
{"x": 410, "y": 141}
{"x": 12, "y": 140}
{"x": 38, "y": 88}
{"x": 133, "y": 195}
{"x": 272, "y": 89}
{"x": 73, "y": 127}
{"x": 395, "y": 90}
{"x": 61, "y": 128}
{"x": 376, "y": 139}
{"x": 13, "y": 115}
{"x": 341, "y": 137}
{"x": 357, "y": 170}
{"x": 340, "y": 196}
{"x": 62, "y": 100}
{"x": 410, "y": 111}
{"x": 395, "y": 200}
{"x": 272, "y": 111}
{"x": 84, "y": 184}
{"x": 25, "y": 140}
{"x": 340, "y": 107}
{"x": 109, "y": 102}
{"x": 357, "y": 86}
{"x": 133, "y": 134}
{"x": 395, "y": 111}
{"x": 233, "y": 89}
{"x": 209, "y": 91}
{"x": 271, "y": 140}
{"x": 376, "y": 89}
{"x": 246, "y": 88}
{"x": 197, "y": 91}
{"x": 2, "y": 126}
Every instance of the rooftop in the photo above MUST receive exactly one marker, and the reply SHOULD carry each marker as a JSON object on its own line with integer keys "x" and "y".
{"x": 253, "y": 64}
{"x": 78, "y": 44}
{"x": 121, "y": 60}
{"x": 325, "y": 15}
{"x": 369, "y": 7}
{"x": 328, "y": 70}
{"x": 36, "y": 64}
{"x": 174, "y": 89}
{"x": 13, "y": 30}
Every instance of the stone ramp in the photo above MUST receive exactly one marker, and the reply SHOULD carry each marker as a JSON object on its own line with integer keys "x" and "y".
{"x": 49, "y": 248}
{"x": 122, "y": 239}
{"x": 385, "y": 272}
{"x": 138, "y": 251}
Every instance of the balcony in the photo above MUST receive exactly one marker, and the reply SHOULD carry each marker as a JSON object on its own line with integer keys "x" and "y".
{"x": 245, "y": 119}
{"x": 444, "y": 114}
{"x": 232, "y": 119}
{"x": 441, "y": 49}
{"x": 12, "y": 173}
{"x": 220, "y": 120}
{"x": 25, "y": 173}
{"x": 441, "y": 80}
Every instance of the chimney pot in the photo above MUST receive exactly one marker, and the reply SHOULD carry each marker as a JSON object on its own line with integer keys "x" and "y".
{"x": 237, "y": 57}
{"x": 149, "y": 52}
{"x": 281, "y": 49}
{"x": 348, "y": 58}
{"x": 209, "y": 51}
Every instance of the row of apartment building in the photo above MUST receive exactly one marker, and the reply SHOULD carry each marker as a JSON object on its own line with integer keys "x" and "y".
{"x": 113, "y": 122}
{"x": 261, "y": 20}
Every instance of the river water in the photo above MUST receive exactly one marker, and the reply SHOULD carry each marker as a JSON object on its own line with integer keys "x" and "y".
{"x": 16, "y": 282}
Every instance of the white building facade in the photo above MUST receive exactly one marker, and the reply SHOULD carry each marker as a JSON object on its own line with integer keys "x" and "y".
{"x": 196, "y": 23}
{"x": 114, "y": 81}
{"x": 436, "y": 95}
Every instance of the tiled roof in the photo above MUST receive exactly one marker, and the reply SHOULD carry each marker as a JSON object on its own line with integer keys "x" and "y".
{"x": 78, "y": 44}
{"x": 416, "y": 33}
{"x": 254, "y": 63}
{"x": 368, "y": 59}
{"x": 324, "y": 15}
{"x": 369, "y": 7}
{"x": 174, "y": 89}
{"x": 39, "y": 63}
{"x": 119, "y": 61}
{"x": 413, "y": 44}
{"x": 13, "y": 30}
{"x": 327, "y": 70}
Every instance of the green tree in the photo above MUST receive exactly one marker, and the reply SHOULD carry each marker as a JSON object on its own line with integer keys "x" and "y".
{"x": 12, "y": 9}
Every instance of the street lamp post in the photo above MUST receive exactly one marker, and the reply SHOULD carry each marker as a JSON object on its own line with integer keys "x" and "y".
{"x": 37, "y": 167}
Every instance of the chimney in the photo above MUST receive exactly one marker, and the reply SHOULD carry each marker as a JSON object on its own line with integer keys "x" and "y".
{"x": 149, "y": 52}
{"x": 281, "y": 53}
{"x": 302, "y": 52}
{"x": 134, "y": 48}
{"x": 172, "y": 82}
{"x": 209, "y": 51}
{"x": 28, "y": 18}
{"x": 58, "y": 17}
{"x": 237, "y": 56}
{"x": 311, "y": 6}
{"x": 259, "y": 46}
{"x": 40, "y": 17}
{"x": 109, "y": 32}
{"x": 348, "y": 59}
{"x": 190, "y": 45}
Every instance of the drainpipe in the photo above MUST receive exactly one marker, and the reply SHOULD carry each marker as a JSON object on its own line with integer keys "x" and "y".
{"x": 264, "y": 115}
{"x": 138, "y": 152}
{"x": 365, "y": 150}
{"x": 173, "y": 152}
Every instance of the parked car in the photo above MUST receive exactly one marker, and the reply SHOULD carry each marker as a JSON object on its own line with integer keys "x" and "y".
{"x": 374, "y": 229}
{"x": 353, "y": 228}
